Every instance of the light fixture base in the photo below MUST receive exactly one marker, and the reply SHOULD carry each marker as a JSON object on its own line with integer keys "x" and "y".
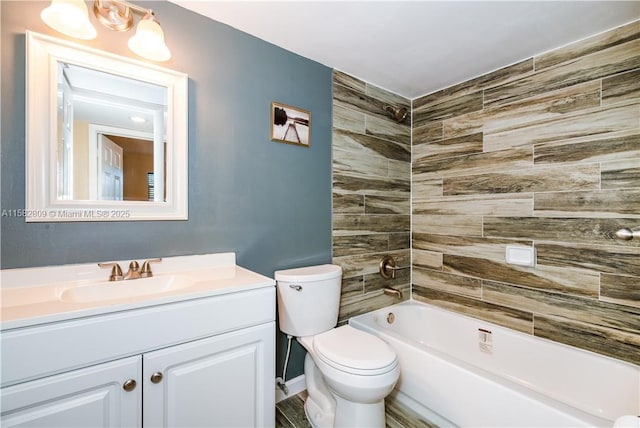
{"x": 116, "y": 16}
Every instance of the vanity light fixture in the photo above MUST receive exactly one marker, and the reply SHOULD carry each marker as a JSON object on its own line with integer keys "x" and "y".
{"x": 71, "y": 17}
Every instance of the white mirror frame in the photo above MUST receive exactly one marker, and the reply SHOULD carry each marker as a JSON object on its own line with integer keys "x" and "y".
{"x": 42, "y": 205}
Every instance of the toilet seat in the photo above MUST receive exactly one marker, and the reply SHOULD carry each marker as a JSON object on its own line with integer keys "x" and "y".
{"x": 354, "y": 351}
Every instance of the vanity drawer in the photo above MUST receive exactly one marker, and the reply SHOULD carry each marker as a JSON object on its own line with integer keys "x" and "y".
{"x": 33, "y": 352}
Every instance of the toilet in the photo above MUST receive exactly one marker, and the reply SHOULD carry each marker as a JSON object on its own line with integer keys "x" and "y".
{"x": 348, "y": 372}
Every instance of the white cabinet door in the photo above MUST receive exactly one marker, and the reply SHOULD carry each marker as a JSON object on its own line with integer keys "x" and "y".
{"x": 85, "y": 398}
{"x": 222, "y": 381}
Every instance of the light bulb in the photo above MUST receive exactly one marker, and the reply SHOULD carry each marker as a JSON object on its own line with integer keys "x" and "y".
{"x": 69, "y": 17}
{"x": 148, "y": 42}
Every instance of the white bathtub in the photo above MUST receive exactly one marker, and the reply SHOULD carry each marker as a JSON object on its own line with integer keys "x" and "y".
{"x": 454, "y": 372}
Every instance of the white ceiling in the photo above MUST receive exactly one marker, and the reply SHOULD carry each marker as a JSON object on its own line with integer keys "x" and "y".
{"x": 414, "y": 48}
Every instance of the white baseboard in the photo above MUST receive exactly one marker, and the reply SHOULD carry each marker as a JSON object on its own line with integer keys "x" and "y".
{"x": 295, "y": 386}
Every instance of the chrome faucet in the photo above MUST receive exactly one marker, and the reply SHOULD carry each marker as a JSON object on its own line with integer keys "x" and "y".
{"x": 134, "y": 271}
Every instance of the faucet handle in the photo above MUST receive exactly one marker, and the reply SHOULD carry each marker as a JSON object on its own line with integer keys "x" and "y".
{"x": 116, "y": 271}
{"x": 146, "y": 267}
{"x": 388, "y": 267}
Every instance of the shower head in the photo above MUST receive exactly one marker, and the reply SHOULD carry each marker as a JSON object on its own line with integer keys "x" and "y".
{"x": 397, "y": 113}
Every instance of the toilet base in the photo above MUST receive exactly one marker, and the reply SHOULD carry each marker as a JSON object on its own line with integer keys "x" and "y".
{"x": 325, "y": 409}
{"x": 320, "y": 406}
{"x": 351, "y": 414}
{"x": 317, "y": 417}
{"x": 348, "y": 414}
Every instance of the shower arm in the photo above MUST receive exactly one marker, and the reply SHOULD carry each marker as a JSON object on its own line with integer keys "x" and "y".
{"x": 396, "y": 113}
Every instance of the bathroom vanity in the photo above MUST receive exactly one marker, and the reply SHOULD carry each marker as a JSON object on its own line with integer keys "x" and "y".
{"x": 80, "y": 351}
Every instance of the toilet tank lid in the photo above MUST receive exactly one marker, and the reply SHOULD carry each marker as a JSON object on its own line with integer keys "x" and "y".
{"x": 309, "y": 273}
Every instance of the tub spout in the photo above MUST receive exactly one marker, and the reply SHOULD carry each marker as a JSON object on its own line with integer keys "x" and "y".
{"x": 393, "y": 292}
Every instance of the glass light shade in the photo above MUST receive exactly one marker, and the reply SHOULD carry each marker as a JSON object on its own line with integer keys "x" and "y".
{"x": 148, "y": 42}
{"x": 70, "y": 17}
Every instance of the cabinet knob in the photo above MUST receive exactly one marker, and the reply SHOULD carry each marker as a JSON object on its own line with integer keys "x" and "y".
{"x": 156, "y": 377}
{"x": 129, "y": 385}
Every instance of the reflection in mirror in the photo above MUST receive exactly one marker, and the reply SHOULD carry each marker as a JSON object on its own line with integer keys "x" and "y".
{"x": 105, "y": 135}
{"x": 111, "y": 136}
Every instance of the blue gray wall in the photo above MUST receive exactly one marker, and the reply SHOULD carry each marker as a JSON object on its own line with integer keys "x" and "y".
{"x": 268, "y": 202}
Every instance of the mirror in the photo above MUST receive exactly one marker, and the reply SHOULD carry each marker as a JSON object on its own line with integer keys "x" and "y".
{"x": 106, "y": 136}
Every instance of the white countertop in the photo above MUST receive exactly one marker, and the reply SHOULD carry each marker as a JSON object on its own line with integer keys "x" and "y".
{"x": 33, "y": 296}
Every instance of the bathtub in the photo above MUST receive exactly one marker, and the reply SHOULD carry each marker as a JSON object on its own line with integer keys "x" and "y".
{"x": 461, "y": 371}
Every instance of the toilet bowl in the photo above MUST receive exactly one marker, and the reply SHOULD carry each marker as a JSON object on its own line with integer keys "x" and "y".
{"x": 348, "y": 372}
{"x": 359, "y": 371}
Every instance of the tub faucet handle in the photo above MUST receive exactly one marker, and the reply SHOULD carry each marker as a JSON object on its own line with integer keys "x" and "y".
{"x": 145, "y": 272}
{"x": 388, "y": 267}
{"x": 116, "y": 271}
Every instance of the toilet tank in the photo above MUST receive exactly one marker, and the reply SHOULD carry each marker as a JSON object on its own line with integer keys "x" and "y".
{"x": 308, "y": 299}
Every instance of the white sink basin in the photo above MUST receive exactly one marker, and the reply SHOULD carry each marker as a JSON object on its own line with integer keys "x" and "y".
{"x": 109, "y": 290}
{"x": 31, "y": 296}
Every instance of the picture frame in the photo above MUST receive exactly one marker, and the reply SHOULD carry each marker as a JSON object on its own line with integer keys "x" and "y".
{"x": 290, "y": 125}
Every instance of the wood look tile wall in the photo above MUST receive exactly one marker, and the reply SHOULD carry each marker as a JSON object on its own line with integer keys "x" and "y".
{"x": 543, "y": 153}
{"x": 371, "y": 193}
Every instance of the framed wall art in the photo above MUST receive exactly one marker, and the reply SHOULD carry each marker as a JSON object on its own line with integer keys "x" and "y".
{"x": 290, "y": 125}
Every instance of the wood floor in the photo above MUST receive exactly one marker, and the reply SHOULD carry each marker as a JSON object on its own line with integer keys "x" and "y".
{"x": 290, "y": 414}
